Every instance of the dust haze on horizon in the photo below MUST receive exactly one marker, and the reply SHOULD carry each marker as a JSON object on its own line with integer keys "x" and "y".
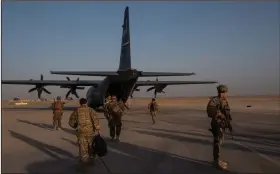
{"x": 234, "y": 43}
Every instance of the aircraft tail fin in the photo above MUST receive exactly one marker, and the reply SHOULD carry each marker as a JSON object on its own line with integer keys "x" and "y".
{"x": 125, "y": 57}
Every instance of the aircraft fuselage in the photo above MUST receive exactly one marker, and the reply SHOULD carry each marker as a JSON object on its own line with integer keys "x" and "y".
{"x": 122, "y": 86}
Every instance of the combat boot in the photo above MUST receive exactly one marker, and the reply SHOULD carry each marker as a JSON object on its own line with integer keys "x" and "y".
{"x": 92, "y": 159}
{"x": 220, "y": 164}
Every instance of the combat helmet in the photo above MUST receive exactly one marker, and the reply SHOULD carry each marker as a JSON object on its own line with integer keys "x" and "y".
{"x": 222, "y": 88}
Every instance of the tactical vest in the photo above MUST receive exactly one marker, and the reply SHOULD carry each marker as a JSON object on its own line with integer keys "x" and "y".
{"x": 58, "y": 106}
{"x": 153, "y": 106}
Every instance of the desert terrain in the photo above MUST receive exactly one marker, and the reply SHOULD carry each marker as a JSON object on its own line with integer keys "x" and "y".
{"x": 179, "y": 142}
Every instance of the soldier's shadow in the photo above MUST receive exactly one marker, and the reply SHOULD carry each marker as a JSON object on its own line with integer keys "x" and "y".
{"x": 121, "y": 158}
{"x": 228, "y": 145}
{"x": 40, "y": 125}
{"x": 46, "y": 126}
{"x": 61, "y": 157}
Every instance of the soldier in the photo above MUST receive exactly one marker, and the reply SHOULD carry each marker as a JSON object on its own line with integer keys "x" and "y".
{"x": 108, "y": 100}
{"x": 153, "y": 107}
{"x": 115, "y": 118}
{"x": 85, "y": 119}
{"x": 215, "y": 110}
{"x": 57, "y": 107}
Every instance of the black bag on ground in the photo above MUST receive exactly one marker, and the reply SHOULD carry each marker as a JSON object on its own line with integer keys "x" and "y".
{"x": 99, "y": 146}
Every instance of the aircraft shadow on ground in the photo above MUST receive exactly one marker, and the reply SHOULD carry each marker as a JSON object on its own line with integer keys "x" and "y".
{"x": 227, "y": 145}
{"x": 121, "y": 157}
{"x": 46, "y": 126}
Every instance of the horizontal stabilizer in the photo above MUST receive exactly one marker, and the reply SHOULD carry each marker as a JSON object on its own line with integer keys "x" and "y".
{"x": 86, "y": 73}
{"x": 154, "y": 74}
{"x": 151, "y": 83}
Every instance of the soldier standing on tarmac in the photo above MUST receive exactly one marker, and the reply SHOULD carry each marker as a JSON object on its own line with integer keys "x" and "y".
{"x": 57, "y": 107}
{"x": 215, "y": 112}
{"x": 153, "y": 107}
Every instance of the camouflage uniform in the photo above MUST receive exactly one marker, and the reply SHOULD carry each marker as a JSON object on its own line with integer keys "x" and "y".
{"x": 57, "y": 113}
{"x": 214, "y": 111}
{"x": 123, "y": 105}
{"x": 108, "y": 100}
{"x": 85, "y": 119}
{"x": 115, "y": 112}
{"x": 153, "y": 107}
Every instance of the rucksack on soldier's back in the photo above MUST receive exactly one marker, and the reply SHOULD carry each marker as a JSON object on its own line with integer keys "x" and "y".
{"x": 211, "y": 110}
{"x": 115, "y": 109}
{"x": 99, "y": 146}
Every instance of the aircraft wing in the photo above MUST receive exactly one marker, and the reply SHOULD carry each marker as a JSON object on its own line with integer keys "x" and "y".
{"x": 154, "y": 74}
{"x": 152, "y": 83}
{"x": 53, "y": 82}
{"x": 112, "y": 73}
{"x": 86, "y": 73}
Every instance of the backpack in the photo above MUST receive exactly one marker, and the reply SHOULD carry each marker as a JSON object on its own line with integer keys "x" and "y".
{"x": 99, "y": 146}
{"x": 115, "y": 109}
{"x": 212, "y": 110}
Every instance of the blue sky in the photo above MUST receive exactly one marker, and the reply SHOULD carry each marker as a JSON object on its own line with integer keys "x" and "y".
{"x": 235, "y": 43}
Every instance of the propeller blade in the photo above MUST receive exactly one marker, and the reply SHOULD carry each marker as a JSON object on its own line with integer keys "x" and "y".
{"x": 42, "y": 78}
{"x": 46, "y": 91}
{"x": 68, "y": 78}
{"x": 39, "y": 94}
{"x": 32, "y": 89}
{"x": 67, "y": 94}
{"x": 149, "y": 89}
{"x": 75, "y": 93}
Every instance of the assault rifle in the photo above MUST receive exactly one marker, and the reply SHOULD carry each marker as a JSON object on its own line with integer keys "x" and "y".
{"x": 227, "y": 122}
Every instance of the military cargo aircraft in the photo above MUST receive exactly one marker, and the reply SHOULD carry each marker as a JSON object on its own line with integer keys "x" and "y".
{"x": 121, "y": 83}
